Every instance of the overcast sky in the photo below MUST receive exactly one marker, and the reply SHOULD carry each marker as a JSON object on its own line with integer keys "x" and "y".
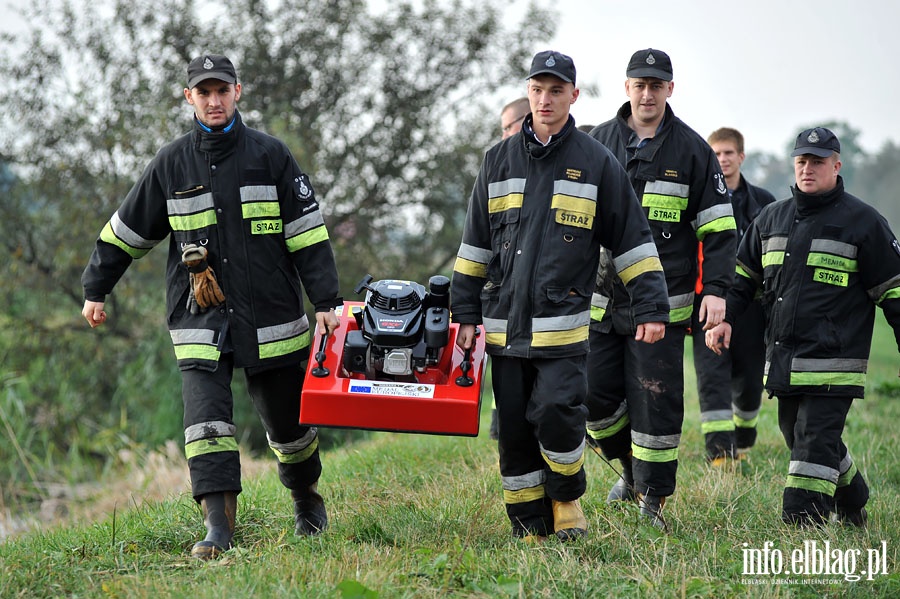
{"x": 766, "y": 67}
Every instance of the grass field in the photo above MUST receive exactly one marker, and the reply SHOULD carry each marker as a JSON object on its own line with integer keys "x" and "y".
{"x": 421, "y": 516}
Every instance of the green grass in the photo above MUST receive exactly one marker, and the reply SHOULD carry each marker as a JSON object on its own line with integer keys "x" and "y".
{"x": 421, "y": 516}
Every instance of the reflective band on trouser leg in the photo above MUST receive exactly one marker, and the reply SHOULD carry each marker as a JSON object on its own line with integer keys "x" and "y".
{"x": 296, "y": 451}
{"x": 213, "y": 458}
{"x": 812, "y": 477}
{"x": 716, "y": 421}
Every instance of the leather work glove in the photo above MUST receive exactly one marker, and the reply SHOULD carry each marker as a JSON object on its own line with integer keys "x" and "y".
{"x": 205, "y": 291}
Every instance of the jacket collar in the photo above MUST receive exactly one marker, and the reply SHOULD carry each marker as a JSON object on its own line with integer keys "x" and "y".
{"x": 810, "y": 203}
{"x": 536, "y": 149}
{"x": 218, "y": 143}
{"x": 648, "y": 151}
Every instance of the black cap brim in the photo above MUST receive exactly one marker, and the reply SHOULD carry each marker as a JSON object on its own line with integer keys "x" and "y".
{"x": 550, "y": 72}
{"x": 815, "y": 151}
{"x": 226, "y": 77}
{"x": 649, "y": 72}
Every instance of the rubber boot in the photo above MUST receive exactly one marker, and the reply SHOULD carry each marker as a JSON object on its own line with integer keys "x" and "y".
{"x": 651, "y": 509}
{"x": 569, "y": 522}
{"x": 219, "y": 511}
{"x": 309, "y": 511}
{"x": 859, "y": 518}
{"x": 623, "y": 490}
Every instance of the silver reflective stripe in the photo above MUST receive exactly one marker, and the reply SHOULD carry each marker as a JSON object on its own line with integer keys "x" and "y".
{"x": 828, "y": 365}
{"x": 182, "y": 206}
{"x": 494, "y": 325}
{"x": 560, "y": 323}
{"x": 668, "y": 188}
{"x": 598, "y": 300}
{"x": 744, "y": 414}
{"x": 475, "y": 254}
{"x": 655, "y": 441}
{"x": 282, "y": 331}
{"x": 876, "y": 292}
{"x": 502, "y": 188}
{"x": 184, "y": 336}
{"x": 523, "y": 481}
{"x": 846, "y": 463}
{"x": 578, "y": 190}
{"x": 259, "y": 193}
{"x": 566, "y": 457}
{"x": 131, "y": 238}
{"x": 681, "y": 301}
{"x": 774, "y": 244}
{"x": 714, "y": 415}
{"x": 710, "y": 214}
{"x": 838, "y": 248}
{"x": 294, "y": 446}
{"x": 814, "y": 470}
{"x": 635, "y": 255}
{"x": 304, "y": 223}
{"x": 208, "y": 430}
{"x": 599, "y": 425}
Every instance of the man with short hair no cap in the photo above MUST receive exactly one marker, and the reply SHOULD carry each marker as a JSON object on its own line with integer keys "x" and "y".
{"x": 636, "y": 391}
{"x": 246, "y": 238}
{"x": 821, "y": 260}
{"x": 544, "y": 202}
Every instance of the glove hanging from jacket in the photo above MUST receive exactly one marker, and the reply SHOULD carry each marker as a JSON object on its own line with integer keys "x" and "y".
{"x": 205, "y": 291}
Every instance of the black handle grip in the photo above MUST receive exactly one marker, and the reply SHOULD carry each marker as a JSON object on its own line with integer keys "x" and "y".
{"x": 320, "y": 371}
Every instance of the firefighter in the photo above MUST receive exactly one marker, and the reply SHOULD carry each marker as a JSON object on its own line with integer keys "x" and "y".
{"x": 245, "y": 237}
{"x": 823, "y": 259}
{"x": 544, "y": 201}
{"x": 730, "y": 386}
{"x": 636, "y": 391}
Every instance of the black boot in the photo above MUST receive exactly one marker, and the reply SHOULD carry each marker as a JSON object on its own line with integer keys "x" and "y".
{"x": 623, "y": 490}
{"x": 219, "y": 511}
{"x": 309, "y": 511}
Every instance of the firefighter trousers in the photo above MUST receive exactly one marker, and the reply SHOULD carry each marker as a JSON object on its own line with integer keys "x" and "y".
{"x": 541, "y": 419}
{"x": 636, "y": 404}
{"x": 210, "y": 444}
{"x": 730, "y": 386}
{"x": 822, "y": 476}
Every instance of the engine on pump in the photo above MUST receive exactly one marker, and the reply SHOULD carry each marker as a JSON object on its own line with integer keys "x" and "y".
{"x": 402, "y": 328}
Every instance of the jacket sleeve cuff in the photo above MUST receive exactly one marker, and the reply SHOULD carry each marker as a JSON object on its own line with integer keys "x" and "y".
{"x": 325, "y": 306}
{"x": 714, "y": 289}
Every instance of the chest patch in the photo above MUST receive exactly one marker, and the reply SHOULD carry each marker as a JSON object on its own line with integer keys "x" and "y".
{"x": 265, "y": 227}
{"x": 669, "y": 215}
{"x": 831, "y": 277}
{"x": 575, "y": 219}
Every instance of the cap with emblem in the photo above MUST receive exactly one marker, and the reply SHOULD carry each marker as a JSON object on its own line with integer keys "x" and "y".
{"x": 818, "y": 141}
{"x": 650, "y": 63}
{"x": 553, "y": 63}
{"x": 210, "y": 66}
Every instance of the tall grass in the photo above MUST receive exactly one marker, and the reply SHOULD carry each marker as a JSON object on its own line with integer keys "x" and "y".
{"x": 421, "y": 516}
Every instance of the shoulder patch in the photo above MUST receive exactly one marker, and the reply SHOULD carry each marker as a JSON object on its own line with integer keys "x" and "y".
{"x": 719, "y": 180}
{"x": 303, "y": 188}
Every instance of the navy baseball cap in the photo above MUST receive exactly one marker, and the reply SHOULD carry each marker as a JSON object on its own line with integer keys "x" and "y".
{"x": 817, "y": 141}
{"x": 650, "y": 63}
{"x": 553, "y": 63}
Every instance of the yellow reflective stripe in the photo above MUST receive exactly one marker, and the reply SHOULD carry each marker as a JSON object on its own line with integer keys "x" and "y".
{"x": 507, "y": 202}
{"x": 610, "y": 430}
{"x": 845, "y": 478}
{"x": 597, "y": 313}
{"x": 654, "y": 455}
{"x": 850, "y": 379}
{"x": 260, "y": 209}
{"x": 557, "y": 338}
{"x": 833, "y": 262}
{"x": 655, "y": 200}
{"x": 109, "y": 236}
{"x": 742, "y": 423}
{"x": 207, "y": 446}
{"x": 651, "y": 264}
{"x": 304, "y": 240}
{"x": 773, "y": 258}
{"x": 740, "y": 270}
{"x": 716, "y": 426}
{"x": 816, "y": 485}
{"x": 470, "y": 268}
{"x": 196, "y": 351}
{"x": 565, "y": 202}
{"x": 495, "y": 338}
{"x": 523, "y": 495}
{"x": 679, "y": 314}
{"x": 285, "y": 346}
{"x": 565, "y": 469}
{"x": 297, "y": 457}
{"x": 192, "y": 222}
{"x": 725, "y": 223}
{"x": 889, "y": 294}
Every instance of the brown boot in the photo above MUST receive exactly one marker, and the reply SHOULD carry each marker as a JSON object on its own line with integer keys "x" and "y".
{"x": 219, "y": 512}
{"x": 569, "y": 522}
{"x": 310, "y": 517}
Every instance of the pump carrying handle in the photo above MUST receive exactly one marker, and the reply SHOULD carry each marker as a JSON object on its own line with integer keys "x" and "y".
{"x": 320, "y": 371}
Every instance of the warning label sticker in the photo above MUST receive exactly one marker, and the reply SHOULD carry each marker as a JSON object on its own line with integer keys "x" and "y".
{"x": 392, "y": 389}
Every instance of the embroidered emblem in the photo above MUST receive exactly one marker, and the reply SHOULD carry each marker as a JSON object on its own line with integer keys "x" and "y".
{"x": 651, "y": 59}
{"x": 208, "y": 64}
{"x": 813, "y": 137}
{"x": 551, "y": 62}
{"x": 721, "y": 189}
{"x": 896, "y": 246}
{"x": 303, "y": 187}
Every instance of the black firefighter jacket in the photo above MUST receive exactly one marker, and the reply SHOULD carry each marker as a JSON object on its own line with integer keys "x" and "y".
{"x": 527, "y": 264}
{"x": 677, "y": 179}
{"x": 823, "y": 263}
{"x": 241, "y": 194}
